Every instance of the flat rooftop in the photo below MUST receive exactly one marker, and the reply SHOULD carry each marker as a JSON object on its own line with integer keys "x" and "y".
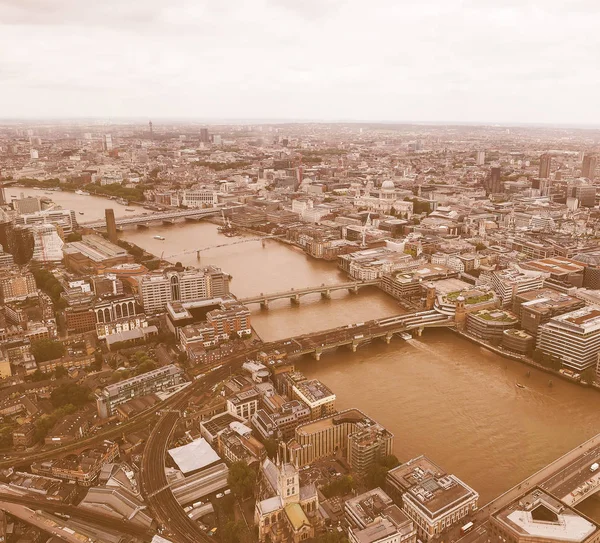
{"x": 194, "y": 456}
{"x": 556, "y": 265}
{"x": 586, "y": 319}
{"x": 537, "y": 514}
{"x": 314, "y": 390}
{"x": 431, "y": 489}
{"x": 349, "y": 416}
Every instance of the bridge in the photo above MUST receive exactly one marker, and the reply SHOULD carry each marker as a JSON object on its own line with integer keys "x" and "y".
{"x": 568, "y": 478}
{"x": 294, "y": 294}
{"x": 355, "y": 335}
{"x": 168, "y": 217}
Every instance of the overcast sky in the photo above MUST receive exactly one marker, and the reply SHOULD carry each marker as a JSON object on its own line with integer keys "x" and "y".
{"x": 390, "y": 60}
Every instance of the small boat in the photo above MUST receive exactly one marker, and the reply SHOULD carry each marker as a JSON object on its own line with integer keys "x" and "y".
{"x": 405, "y": 336}
{"x": 82, "y": 193}
{"x": 122, "y": 201}
{"x": 159, "y": 237}
{"x": 520, "y": 385}
{"x": 81, "y": 213}
{"x": 129, "y": 209}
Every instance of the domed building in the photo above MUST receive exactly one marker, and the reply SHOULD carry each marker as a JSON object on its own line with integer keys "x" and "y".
{"x": 384, "y": 199}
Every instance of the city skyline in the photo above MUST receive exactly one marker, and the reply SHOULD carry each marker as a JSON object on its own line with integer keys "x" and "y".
{"x": 417, "y": 62}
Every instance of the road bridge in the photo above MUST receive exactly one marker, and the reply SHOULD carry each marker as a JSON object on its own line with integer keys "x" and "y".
{"x": 568, "y": 478}
{"x": 167, "y": 217}
{"x": 294, "y": 295}
{"x": 355, "y": 335}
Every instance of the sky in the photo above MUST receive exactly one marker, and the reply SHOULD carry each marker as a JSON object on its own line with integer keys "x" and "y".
{"x": 525, "y": 61}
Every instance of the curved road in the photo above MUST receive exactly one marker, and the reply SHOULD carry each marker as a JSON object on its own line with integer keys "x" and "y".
{"x": 165, "y": 508}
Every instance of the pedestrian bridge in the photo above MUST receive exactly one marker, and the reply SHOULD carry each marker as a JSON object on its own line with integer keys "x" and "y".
{"x": 294, "y": 295}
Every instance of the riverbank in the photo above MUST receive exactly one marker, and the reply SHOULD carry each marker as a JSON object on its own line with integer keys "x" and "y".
{"x": 522, "y": 358}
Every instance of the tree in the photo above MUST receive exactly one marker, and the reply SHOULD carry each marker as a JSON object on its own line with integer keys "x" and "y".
{"x": 47, "y": 349}
{"x": 339, "y": 487}
{"x": 98, "y": 361}
{"x": 60, "y": 372}
{"x": 73, "y": 236}
{"x": 20, "y": 244}
{"x": 70, "y": 393}
{"x": 241, "y": 479}
{"x": 331, "y": 537}
{"x": 233, "y": 531}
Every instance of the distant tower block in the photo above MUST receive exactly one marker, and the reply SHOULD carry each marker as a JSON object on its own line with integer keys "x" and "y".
{"x": 111, "y": 225}
{"x": 151, "y": 133}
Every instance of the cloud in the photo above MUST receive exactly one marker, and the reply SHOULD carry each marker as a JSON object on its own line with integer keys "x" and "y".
{"x": 484, "y": 60}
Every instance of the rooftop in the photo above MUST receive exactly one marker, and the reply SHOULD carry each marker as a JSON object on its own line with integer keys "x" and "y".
{"x": 539, "y": 515}
{"x": 194, "y": 456}
{"x": 430, "y": 488}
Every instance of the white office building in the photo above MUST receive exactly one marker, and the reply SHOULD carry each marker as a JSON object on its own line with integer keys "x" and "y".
{"x": 573, "y": 337}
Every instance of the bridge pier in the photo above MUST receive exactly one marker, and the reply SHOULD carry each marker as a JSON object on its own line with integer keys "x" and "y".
{"x": 264, "y": 304}
{"x": 317, "y": 354}
{"x": 420, "y": 331}
{"x": 326, "y": 294}
{"x": 388, "y": 337}
{"x": 354, "y": 346}
{"x": 353, "y": 290}
{"x": 295, "y": 299}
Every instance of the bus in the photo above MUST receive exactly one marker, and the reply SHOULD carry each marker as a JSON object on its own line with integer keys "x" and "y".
{"x": 466, "y": 528}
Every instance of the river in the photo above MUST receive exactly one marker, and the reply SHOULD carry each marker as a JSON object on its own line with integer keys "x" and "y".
{"x": 440, "y": 395}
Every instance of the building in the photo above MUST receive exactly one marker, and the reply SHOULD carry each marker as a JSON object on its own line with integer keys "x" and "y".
{"x": 574, "y": 338}
{"x": 494, "y": 182}
{"x": 65, "y": 219}
{"x": 15, "y": 286}
{"x": 111, "y": 225}
{"x": 367, "y": 446}
{"x": 374, "y": 518}
{"x": 26, "y": 206}
{"x": 107, "y": 143}
{"x": 244, "y": 404}
{"x": 48, "y": 244}
{"x": 588, "y": 166}
{"x": 330, "y": 435}
{"x": 318, "y": 397}
{"x": 585, "y": 194}
{"x": 480, "y": 159}
{"x": 433, "y": 499}
{"x": 490, "y": 324}
{"x": 93, "y": 255}
{"x": 285, "y": 511}
{"x": 536, "y": 307}
{"x": 281, "y": 423}
{"x": 82, "y": 469}
{"x": 156, "y": 291}
{"x": 515, "y": 280}
{"x": 558, "y": 268}
{"x": 230, "y": 318}
{"x": 538, "y": 517}
{"x": 146, "y": 383}
{"x": 545, "y": 165}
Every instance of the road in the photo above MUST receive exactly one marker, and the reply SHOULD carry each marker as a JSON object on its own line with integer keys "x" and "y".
{"x": 165, "y": 508}
{"x": 556, "y": 478}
